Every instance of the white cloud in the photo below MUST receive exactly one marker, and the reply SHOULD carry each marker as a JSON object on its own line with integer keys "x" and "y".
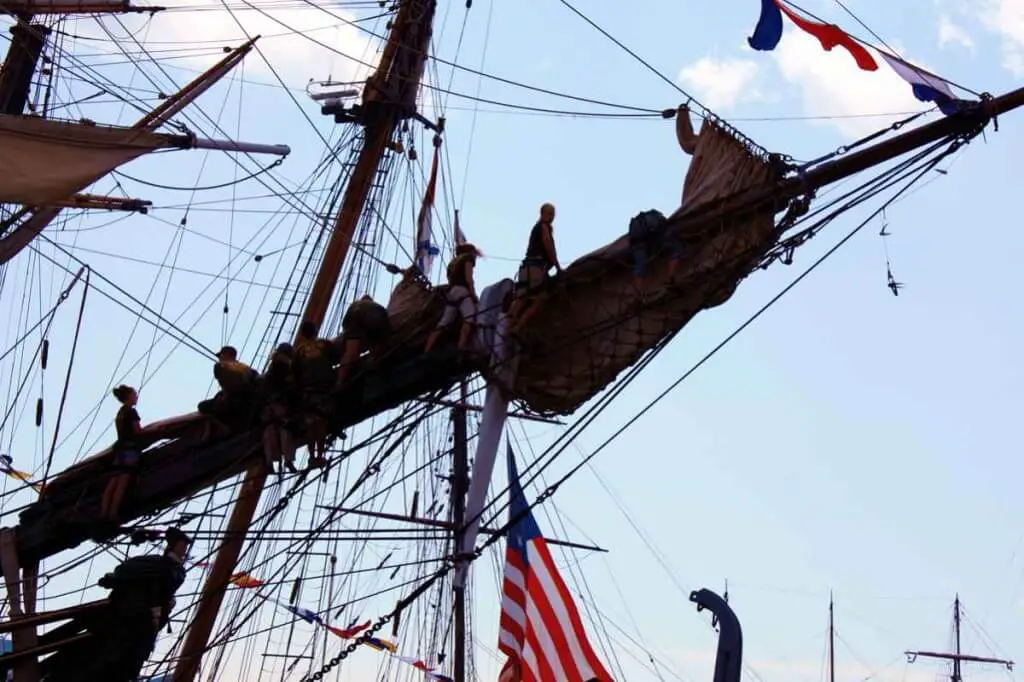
{"x": 953, "y": 34}
{"x": 1006, "y": 18}
{"x": 300, "y": 44}
{"x": 721, "y": 84}
{"x": 831, "y": 84}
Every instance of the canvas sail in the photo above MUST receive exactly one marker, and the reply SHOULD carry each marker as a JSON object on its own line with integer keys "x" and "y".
{"x": 590, "y": 327}
{"x": 44, "y": 161}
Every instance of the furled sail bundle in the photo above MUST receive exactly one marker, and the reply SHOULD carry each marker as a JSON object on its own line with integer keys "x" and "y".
{"x": 593, "y": 326}
{"x": 43, "y": 161}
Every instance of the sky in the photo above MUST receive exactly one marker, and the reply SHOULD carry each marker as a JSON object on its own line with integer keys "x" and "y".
{"x": 848, "y": 441}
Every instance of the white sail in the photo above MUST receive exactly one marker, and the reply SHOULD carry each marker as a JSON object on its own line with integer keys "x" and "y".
{"x": 44, "y": 161}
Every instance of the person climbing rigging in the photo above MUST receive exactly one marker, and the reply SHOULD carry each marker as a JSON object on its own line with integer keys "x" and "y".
{"x": 278, "y": 394}
{"x": 126, "y": 453}
{"x": 533, "y": 272}
{"x": 366, "y": 326}
{"x": 232, "y": 407}
{"x": 461, "y": 299}
{"x": 313, "y": 369}
{"x": 140, "y": 603}
{"x": 648, "y": 233}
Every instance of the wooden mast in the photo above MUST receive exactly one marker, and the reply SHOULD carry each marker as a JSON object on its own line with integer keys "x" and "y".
{"x": 831, "y": 640}
{"x": 389, "y": 97}
{"x": 956, "y": 657}
{"x": 460, "y": 482}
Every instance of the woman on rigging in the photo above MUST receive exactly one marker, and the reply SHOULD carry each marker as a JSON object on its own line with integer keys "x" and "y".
{"x": 533, "y": 272}
{"x": 126, "y": 452}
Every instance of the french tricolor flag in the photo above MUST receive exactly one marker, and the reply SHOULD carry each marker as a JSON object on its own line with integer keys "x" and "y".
{"x": 926, "y": 87}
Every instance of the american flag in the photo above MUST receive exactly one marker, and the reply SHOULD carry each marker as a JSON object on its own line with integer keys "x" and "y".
{"x": 540, "y": 630}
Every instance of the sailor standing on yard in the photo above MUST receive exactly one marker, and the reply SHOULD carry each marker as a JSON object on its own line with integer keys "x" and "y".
{"x": 461, "y": 299}
{"x": 533, "y": 272}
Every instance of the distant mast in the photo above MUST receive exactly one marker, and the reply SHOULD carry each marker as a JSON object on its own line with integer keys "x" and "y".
{"x": 957, "y": 657}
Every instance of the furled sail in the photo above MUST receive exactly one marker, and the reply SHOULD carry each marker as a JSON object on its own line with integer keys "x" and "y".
{"x": 43, "y": 161}
{"x": 592, "y": 325}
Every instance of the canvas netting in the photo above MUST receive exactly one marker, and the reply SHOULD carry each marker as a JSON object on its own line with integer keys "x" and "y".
{"x": 593, "y": 325}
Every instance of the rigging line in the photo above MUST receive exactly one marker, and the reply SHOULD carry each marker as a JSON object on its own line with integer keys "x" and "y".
{"x": 198, "y": 346}
{"x": 67, "y": 378}
{"x": 635, "y": 56}
{"x": 436, "y": 88}
{"x": 866, "y": 43}
{"x": 500, "y": 79}
{"x": 476, "y": 105}
{"x": 551, "y": 489}
{"x": 595, "y": 411}
{"x": 223, "y": 185}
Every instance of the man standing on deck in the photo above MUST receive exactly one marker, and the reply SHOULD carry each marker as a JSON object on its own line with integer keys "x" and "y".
{"x": 533, "y": 272}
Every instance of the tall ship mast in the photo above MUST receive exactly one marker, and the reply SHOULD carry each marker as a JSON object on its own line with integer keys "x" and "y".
{"x": 436, "y": 415}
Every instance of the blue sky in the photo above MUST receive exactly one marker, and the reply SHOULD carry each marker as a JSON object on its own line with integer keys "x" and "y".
{"x": 848, "y": 440}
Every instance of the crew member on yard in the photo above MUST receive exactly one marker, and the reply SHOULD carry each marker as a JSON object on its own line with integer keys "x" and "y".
{"x": 648, "y": 233}
{"x": 366, "y": 326}
{"x": 278, "y": 393}
{"x": 313, "y": 367}
{"x": 533, "y": 272}
{"x": 461, "y": 299}
{"x": 126, "y": 453}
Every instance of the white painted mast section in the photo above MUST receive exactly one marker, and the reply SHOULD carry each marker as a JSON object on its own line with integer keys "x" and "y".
{"x": 491, "y": 333}
{"x": 244, "y": 147}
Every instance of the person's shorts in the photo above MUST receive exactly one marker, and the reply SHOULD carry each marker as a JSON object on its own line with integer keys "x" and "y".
{"x": 458, "y": 302}
{"x": 127, "y": 459}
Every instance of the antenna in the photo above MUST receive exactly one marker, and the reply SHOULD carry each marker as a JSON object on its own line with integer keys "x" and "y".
{"x": 956, "y": 657}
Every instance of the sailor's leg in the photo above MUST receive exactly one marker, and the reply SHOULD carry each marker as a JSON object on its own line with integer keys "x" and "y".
{"x": 271, "y": 445}
{"x": 468, "y": 310}
{"x": 287, "y": 444}
{"x": 353, "y": 347}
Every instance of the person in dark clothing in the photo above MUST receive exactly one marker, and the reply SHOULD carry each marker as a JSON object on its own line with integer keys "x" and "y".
{"x": 533, "y": 272}
{"x": 232, "y": 406}
{"x": 141, "y": 600}
{"x": 126, "y": 453}
{"x": 313, "y": 368}
{"x": 461, "y": 299}
{"x": 366, "y": 326}
{"x": 648, "y": 233}
{"x": 278, "y": 394}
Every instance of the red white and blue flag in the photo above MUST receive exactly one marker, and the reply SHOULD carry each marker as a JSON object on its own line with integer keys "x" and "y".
{"x": 540, "y": 630}
{"x": 926, "y": 87}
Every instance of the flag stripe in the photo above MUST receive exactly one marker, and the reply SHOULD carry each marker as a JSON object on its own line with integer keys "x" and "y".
{"x": 540, "y": 626}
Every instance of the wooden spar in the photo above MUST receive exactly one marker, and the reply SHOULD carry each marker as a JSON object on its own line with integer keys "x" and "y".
{"x": 30, "y": 7}
{"x": 459, "y": 485}
{"x": 851, "y": 164}
{"x": 956, "y": 657}
{"x": 391, "y": 97}
{"x": 434, "y": 523}
{"x": 21, "y": 236}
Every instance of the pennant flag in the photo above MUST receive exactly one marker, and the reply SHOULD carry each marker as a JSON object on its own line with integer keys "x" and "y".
{"x": 768, "y": 33}
{"x": 460, "y": 236}
{"x": 926, "y": 87}
{"x": 540, "y": 627}
{"x": 244, "y": 580}
{"x": 425, "y": 248}
{"x": 381, "y": 644}
{"x": 348, "y": 633}
{"x": 7, "y": 468}
{"x": 304, "y": 614}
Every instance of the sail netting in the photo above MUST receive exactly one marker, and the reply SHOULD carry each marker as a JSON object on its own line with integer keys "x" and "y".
{"x": 592, "y": 325}
{"x": 44, "y": 161}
